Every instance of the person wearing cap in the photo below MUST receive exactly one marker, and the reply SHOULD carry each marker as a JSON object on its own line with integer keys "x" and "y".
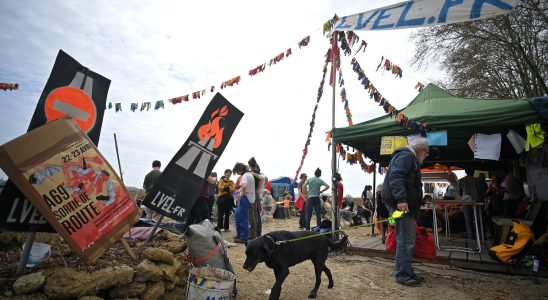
{"x": 402, "y": 191}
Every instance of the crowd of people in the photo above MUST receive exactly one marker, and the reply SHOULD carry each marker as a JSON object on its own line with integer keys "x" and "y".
{"x": 250, "y": 198}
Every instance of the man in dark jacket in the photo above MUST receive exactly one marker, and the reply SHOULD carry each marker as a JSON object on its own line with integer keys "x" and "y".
{"x": 402, "y": 191}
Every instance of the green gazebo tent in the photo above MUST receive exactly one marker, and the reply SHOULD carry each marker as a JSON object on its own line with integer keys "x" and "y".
{"x": 461, "y": 117}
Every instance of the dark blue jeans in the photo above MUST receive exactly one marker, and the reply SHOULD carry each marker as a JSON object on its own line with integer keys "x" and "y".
{"x": 405, "y": 246}
{"x": 313, "y": 203}
{"x": 242, "y": 218}
{"x": 302, "y": 218}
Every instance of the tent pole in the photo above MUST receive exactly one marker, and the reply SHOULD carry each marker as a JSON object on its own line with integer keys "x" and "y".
{"x": 335, "y": 204}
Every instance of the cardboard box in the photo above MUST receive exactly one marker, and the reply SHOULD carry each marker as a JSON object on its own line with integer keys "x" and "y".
{"x": 62, "y": 173}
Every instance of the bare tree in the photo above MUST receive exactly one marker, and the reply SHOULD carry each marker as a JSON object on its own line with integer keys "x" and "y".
{"x": 502, "y": 57}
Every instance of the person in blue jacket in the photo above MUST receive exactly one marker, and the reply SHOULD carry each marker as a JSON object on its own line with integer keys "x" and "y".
{"x": 402, "y": 190}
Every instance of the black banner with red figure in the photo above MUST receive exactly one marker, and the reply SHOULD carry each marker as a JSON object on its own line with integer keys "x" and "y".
{"x": 71, "y": 89}
{"x": 186, "y": 173}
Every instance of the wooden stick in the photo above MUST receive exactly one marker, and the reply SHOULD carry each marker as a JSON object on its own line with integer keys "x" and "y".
{"x": 128, "y": 248}
{"x": 118, "y": 157}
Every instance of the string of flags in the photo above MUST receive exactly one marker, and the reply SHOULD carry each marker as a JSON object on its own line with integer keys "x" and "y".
{"x": 416, "y": 126}
{"x": 389, "y": 66}
{"x": 363, "y": 45}
{"x": 312, "y": 123}
{"x": 9, "y": 86}
{"x": 225, "y": 84}
{"x": 347, "y": 42}
{"x": 355, "y": 158}
{"x": 345, "y": 45}
{"x": 304, "y": 42}
{"x": 352, "y": 37}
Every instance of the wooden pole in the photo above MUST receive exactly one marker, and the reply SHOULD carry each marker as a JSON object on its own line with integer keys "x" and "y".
{"x": 124, "y": 242}
{"x": 335, "y": 204}
{"x": 374, "y": 188}
{"x": 118, "y": 157}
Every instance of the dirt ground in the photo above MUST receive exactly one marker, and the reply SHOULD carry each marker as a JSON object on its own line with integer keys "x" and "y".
{"x": 359, "y": 277}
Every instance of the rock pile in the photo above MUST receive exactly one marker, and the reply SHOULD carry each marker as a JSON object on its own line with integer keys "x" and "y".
{"x": 162, "y": 273}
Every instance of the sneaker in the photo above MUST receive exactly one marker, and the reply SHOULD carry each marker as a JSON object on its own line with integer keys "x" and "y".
{"x": 238, "y": 241}
{"x": 410, "y": 283}
{"x": 419, "y": 278}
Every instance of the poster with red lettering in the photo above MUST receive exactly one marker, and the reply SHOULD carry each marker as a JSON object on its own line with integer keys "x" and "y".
{"x": 72, "y": 185}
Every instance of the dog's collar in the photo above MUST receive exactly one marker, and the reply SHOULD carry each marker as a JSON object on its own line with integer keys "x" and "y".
{"x": 275, "y": 243}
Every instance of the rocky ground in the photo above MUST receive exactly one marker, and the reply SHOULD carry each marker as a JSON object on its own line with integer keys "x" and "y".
{"x": 356, "y": 277}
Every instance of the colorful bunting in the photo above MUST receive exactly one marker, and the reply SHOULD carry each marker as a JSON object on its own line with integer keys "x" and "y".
{"x": 312, "y": 123}
{"x": 276, "y": 59}
{"x": 389, "y": 66}
{"x": 198, "y": 94}
{"x": 230, "y": 82}
{"x": 159, "y": 104}
{"x": 304, "y": 42}
{"x": 257, "y": 69}
{"x": 363, "y": 44}
{"x": 355, "y": 158}
{"x": 374, "y": 94}
{"x": 9, "y": 86}
{"x": 145, "y": 105}
{"x": 327, "y": 26}
{"x": 419, "y": 86}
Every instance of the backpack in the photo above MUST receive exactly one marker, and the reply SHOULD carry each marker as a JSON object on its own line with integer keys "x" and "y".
{"x": 206, "y": 246}
{"x": 326, "y": 223}
{"x": 518, "y": 242}
{"x": 357, "y": 220}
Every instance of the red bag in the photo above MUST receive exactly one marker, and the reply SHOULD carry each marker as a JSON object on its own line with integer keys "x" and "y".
{"x": 299, "y": 204}
{"x": 424, "y": 244}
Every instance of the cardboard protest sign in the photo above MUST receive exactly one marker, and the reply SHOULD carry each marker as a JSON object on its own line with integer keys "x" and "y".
{"x": 71, "y": 89}
{"x": 61, "y": 172}
{"x": 186, "y": 173}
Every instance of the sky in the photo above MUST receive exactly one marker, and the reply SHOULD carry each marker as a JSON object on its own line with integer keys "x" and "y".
{"x": 164, "y": 49}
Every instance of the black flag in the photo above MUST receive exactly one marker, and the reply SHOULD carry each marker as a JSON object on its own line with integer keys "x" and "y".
{"x": 71, "y": 89}
{"x": 186, "y": 173}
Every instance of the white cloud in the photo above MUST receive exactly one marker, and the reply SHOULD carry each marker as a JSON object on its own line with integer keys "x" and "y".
{"x": 157, "y": 50}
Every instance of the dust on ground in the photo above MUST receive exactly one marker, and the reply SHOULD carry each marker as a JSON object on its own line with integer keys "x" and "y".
{"x": 359, "y": 277}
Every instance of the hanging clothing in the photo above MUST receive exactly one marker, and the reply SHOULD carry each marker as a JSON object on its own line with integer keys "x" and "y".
{"x": 159, "y": 104}
{"x": 535, "y": 136}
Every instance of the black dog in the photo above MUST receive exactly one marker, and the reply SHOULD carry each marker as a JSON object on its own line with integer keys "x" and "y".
{"x": 277, "y": 250}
